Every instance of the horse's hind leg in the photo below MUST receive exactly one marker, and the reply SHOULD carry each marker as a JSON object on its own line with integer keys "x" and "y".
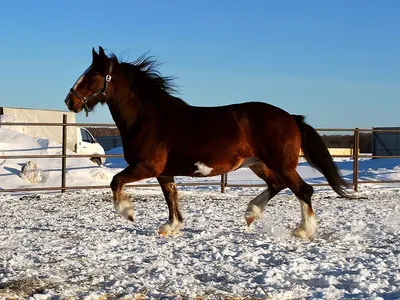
{"x": 304, "y": 192}
{"x": 174, "y": 223}
{"x": 256, "y": 206}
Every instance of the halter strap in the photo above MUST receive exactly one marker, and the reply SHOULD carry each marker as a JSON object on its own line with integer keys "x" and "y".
{"x": 102, "y": 91}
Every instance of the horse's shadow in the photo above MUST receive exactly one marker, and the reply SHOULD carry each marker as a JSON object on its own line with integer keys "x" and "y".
{"x": 192, "y": 231}
{"x": 137, "y": 231}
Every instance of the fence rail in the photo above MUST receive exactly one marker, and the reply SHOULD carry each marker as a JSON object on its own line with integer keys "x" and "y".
{"x": 223, "y": 183}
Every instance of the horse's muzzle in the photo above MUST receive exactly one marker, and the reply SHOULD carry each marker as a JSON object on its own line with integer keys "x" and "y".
{"x": 69, "y": 103}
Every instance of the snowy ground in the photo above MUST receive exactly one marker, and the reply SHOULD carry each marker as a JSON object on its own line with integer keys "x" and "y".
{"x": 76, "y": 245}
{"x": 57, "y": 246}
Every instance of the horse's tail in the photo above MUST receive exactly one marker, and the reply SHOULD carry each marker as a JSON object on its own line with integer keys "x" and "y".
{"x": 318, "y": 156}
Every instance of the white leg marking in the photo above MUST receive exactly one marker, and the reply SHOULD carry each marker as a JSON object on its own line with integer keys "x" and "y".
{"x": 256, "y": 207}
{"x": 202, "y": 169}
{"x": 308, "y": 224}
{"x": 125, "y": 208}
{"x": 170, "y": 228}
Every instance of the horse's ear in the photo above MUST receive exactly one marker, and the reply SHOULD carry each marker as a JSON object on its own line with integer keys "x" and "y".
{"x": 101, "y": 51}
{"x": 94, "y": 54}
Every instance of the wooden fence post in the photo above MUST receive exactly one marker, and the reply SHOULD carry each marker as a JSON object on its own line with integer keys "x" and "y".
{"x": 64, "y": 153}
{"x": 356, "y": 149}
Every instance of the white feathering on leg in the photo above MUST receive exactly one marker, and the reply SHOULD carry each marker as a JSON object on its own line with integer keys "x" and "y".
{"x": 253, "y": 211}
{"x": 308, "y": 225}
{"x": 256, "y": 206}
{"x": 125, "y": 208}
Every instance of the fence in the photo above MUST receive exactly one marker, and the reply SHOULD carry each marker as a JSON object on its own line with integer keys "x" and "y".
{"x": 223, "y": 183}
{"x": 386, "y": 143}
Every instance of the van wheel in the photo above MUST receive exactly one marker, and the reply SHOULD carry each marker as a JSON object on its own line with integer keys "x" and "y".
{"x": 96, "y": 160}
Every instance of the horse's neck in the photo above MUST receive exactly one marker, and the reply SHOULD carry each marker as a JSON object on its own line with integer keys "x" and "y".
{"x": 127, "y": 112}
{"x": 124, "y": 112}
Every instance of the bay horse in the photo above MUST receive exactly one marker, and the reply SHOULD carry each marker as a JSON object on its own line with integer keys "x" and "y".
{"x": 163, "y": 137}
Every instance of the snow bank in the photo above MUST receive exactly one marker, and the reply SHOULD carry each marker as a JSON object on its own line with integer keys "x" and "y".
{"x": 12, "y": 119}
{"x": 80, "y": 171}
{"x": 31, "y": 173}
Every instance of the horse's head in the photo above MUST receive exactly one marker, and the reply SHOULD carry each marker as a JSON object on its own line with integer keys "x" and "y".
{"x": 92, "y": 86}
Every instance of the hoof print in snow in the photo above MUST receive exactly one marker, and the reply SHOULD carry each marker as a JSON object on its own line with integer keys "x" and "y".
{"x": 31, "y": 172}
{"x": 30, "y": 197}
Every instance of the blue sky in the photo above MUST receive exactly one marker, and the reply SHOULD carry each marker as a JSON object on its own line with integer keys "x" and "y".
{"x": 337, "y": 62}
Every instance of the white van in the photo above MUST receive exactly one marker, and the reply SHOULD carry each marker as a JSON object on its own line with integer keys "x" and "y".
{"x": 79, "y": 139}
{"x": 87, "y": 144}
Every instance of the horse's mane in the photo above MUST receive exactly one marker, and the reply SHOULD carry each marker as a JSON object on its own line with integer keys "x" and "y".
{"x": 144, "y": 77}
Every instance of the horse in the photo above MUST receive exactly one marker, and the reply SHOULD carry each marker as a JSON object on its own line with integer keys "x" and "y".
{"x": 163, "y": 136}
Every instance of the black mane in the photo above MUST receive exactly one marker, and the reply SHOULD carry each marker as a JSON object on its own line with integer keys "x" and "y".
{"x": 145, "y": 78}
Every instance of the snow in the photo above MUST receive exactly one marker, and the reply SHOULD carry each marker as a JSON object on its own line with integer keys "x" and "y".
{"x": 55, "y": 246}
{"x": 32, "y": 173}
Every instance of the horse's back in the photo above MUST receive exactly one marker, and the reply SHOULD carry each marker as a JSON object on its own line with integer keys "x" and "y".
{"x": 249, "y": 118}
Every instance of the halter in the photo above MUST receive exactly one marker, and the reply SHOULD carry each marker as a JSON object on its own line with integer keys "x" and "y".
{"x": 102, "y": 91}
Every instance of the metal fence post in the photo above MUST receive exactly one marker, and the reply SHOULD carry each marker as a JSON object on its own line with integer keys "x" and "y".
{"x": 64, "y": 153}
{"x": 224, "y": 181}
{"x": 356, "y": 149}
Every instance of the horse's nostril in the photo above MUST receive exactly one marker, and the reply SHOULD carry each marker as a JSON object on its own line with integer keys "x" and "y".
{"x": 67, "y": 101}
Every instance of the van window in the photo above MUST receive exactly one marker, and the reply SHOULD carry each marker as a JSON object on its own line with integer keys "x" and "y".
{"x": 86, "y": 137}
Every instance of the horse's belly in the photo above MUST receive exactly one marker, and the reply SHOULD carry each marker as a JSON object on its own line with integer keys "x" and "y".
{"x": 204, "y": 168}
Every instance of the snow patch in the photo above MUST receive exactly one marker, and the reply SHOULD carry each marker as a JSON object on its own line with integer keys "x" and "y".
{"x": 101, "y": 175}
{"x": 32, "y": 173}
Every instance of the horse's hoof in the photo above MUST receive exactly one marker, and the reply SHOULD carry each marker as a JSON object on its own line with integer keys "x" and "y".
{"x": 169, "y": 229}
{"x": 128, "y": 214}
{"x": 253, "y": 212}
{"x": 164, "y": 231}
{"x": 250, "y": 220}
{"x": 125, "y": 209}
{"x": 303, "y": 234}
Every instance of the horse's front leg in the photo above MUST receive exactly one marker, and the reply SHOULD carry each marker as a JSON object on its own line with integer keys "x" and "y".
{"x": 122, "y": 202}
{"x": 175, "y": 222}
